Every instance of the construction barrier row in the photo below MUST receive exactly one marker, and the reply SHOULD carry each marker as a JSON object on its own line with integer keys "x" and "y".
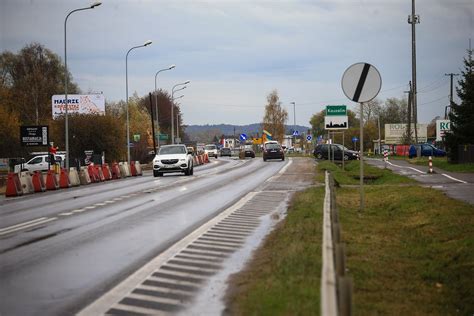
{"x": 201, "y": 159}
{"x": 26, "y": 182}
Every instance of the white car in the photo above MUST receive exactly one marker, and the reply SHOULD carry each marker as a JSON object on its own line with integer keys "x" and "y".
{"x": 211, "y": 150}
{"x": 39, "y": 163}
{"x": 173, "y": 158}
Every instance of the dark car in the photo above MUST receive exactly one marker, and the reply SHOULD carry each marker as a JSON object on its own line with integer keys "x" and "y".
{"x": 272, "y": 150}
{"x": 425, "y": 150}
{"x": 337, "y": 151}
{"x": 248, "y": 151}
{"x": 226, "y": 152}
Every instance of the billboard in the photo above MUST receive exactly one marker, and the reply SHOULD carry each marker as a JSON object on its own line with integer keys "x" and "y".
{"x": 34, "y": 135}
{"x": 442, "y": 126}
{"x": 394, "y": 133}
{"x": 78, "y": 103}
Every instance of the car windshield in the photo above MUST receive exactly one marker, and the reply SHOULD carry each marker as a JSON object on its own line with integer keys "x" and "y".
{"x": 210, "y": 147}
{"x": 341, "y": 147}
{"x": 272, "y": 146}
{"x": 170, "y": 150}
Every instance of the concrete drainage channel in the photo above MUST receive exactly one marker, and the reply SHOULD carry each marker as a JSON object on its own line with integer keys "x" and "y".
{"x": 171, "y": 282}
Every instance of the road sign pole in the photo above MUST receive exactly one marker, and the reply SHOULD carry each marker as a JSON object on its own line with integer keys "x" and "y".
{"x": 361, "y": 157}
{"x": 343, "y": 148}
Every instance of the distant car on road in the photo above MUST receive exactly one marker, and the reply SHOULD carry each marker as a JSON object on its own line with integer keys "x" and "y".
{"x": 173, "y": 158}
{"x": 211, "y": 150}
{"x": 225, "y": 151}
{"x": 425, "y": 150}
{"x": 321, "y": 152}
{"x": 249, "y": 152}
{"x": 272, "y": 150}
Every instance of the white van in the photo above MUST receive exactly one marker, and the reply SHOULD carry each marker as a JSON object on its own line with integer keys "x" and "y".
{"x": 39, "y": 163}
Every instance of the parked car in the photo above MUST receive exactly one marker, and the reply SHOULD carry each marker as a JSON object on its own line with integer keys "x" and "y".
{"x": 322, "y": 152}
{"x": 272, "y": 150}
{"x": 425, "y": 150}
{"x": 211, "y": 150}
{"x": 249, "y": 152}
{"x": 39, "y": 163}
{"x": 225, "y": 151}
{"x": 173, "y": 158}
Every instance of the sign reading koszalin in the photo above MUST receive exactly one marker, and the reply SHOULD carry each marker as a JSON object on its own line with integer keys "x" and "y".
{"x": 78, "y": 103}
{"x": 442, "y": 126}
{"x": 336, "y": 117}
{"x": 34, "y": 135}
{"x": 361, "y": 82}
{"x": 394, "y": 133}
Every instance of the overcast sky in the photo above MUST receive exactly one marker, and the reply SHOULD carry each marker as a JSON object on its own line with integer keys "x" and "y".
{"x": 235, "y": 52}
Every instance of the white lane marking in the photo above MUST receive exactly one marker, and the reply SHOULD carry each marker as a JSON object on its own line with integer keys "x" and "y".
{"x": 99, "y": 204}
{"x": 21, "y": 224}
{"x": 419, "y": 171}
{"x": 66, "y": 214}
{"x": 89, "y": 207}
{"x": 109, "y": 201}
{"x": 80, "y": 210}
{"x": 28, "y": 226}
{"x": 452, "y": 178}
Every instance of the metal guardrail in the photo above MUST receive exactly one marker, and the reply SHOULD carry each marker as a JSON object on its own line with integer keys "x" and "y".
{"x": 336, "y": 286}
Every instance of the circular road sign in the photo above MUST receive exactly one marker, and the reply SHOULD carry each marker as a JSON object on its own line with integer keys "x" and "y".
{"x": 243, "y": 137}
{"x": 361, "y": 82}
{"x": 309, "y": 138}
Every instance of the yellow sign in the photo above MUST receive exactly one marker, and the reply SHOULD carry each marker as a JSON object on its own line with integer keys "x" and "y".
{"x": 257, "y": 141}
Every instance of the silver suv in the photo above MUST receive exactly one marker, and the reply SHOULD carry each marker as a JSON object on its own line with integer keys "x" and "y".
{"x": 211, "y": 150}
{"x": 173, "y": 158}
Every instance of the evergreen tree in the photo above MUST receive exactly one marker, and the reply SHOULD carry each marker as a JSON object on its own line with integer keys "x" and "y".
{"x": 462, "y": 115}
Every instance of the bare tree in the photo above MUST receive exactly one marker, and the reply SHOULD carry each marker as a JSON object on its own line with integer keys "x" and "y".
{"x": 275, "y": 117}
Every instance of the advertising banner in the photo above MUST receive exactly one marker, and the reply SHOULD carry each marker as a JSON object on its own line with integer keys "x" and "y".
{"x": 78, "y": 103}
{"x": 34, "y": 135}
{"x": 442, "y": 126}
{"x": 394, "y": 133}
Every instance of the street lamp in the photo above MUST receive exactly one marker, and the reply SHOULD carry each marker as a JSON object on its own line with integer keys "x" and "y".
{"x": 126, "y": 93}
{"x": 294, "y": 122}
{"x": 156, "y": 97}
{"x": 177, "y": 114}
{"x": 172, "y": 105}
{"x": 66, "y": 121}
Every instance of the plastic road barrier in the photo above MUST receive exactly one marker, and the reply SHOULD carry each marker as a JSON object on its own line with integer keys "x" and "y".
{"x": 139, "y": 168}
{"x": 74, "y": 177}
{"x": 26, "y": 183}
{"x": 38, "y": 182}
{"x": 64, "y": 179}
{"x": 84, "y": 176}
{"x": 13, "y": 185}
{"x": 116, "y": 171}
{"x": 51, "y": 181}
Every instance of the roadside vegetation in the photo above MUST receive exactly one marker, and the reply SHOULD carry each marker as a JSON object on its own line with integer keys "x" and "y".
{"x": 409, "y": 252}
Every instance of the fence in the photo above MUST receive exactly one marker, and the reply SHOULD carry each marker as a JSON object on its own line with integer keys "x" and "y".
{"x": 336, "y": 286}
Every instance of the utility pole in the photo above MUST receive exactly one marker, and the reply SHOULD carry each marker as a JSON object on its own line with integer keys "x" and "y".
{"x": 409, "y": 114}
{"x": 414, "y": 19}
{"x": 450, "y": 95}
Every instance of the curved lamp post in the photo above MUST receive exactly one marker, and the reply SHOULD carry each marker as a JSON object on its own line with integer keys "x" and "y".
{"x": 156, "y": 98}
{"x": 172, "y": 105}
{"x": 66, "y": 121}
{"x": 126, "y": 93}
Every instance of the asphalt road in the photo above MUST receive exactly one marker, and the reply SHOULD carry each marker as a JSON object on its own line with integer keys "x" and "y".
{"x": 61, "y": 250}
{"x": 456, "y": 185}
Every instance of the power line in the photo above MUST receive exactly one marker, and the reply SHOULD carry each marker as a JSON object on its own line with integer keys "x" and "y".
{"x": 429, "y": 102}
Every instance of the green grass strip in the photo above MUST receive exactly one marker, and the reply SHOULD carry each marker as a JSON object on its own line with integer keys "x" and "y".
{"x": 284, "y": 277}
{"x": 410, "y": 252}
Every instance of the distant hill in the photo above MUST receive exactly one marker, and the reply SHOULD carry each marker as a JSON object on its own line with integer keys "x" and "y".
{"x": 203, "y": 133}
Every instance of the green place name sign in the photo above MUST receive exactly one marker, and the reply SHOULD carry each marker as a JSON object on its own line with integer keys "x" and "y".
{"x": 163, "y": 137}
{"x": 336, "y": 110}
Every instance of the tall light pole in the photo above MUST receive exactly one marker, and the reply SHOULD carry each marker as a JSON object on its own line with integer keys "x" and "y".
{"x": 126, "y": 95}
{"x": 172, "y": 105}
{"x": 156, "y": 98}
{"x": 294, "y": 123}
{"x": 66, "y": 78}
{"x": 177, "y": 114}
{"x": 414, "y": 19}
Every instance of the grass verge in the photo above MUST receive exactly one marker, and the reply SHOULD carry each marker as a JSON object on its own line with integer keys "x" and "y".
{"x": 283, "y": 278}
{"x": 410, "y": 252}
{"x": 442, "y": 163}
